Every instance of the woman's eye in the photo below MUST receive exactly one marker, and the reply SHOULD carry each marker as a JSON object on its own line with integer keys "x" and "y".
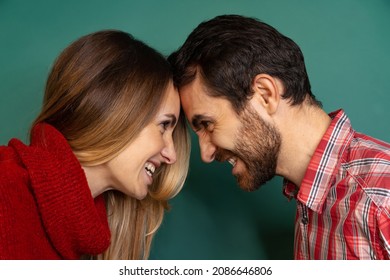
{"x": 165, "y": 125}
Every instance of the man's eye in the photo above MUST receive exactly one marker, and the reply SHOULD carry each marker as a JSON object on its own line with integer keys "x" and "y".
{"x": 207, "y": 125}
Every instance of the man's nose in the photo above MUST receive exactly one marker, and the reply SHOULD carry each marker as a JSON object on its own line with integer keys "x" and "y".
{"x": 207, "y": 150}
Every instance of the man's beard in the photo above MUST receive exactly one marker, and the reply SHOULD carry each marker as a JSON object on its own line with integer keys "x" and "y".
{"x": 257, "y": 145}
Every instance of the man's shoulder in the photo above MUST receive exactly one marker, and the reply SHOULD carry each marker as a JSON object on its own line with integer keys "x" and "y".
{"x": 368, "y": 164}
{"x": 369, "y": 160}
{"x": 368, "y": 150}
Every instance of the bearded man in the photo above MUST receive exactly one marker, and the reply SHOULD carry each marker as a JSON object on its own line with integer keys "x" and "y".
{"x": 246, "y": 93}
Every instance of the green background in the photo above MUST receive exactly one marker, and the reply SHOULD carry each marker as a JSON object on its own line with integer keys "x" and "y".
{"x": 346, "y": 45}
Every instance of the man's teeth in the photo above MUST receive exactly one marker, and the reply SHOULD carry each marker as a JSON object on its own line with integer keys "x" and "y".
{"x": 232, "y": 161}
{"x": 150, "y": 168}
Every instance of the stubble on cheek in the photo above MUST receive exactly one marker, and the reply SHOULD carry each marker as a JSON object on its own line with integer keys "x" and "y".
{"x": 258, "y": 144}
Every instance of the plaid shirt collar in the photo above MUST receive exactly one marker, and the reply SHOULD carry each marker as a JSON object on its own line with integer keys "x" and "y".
{"x": 323, "y": 167}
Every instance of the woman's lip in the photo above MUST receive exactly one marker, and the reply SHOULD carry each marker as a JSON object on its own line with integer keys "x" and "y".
{"x": 149, "y": 179}
{"x": 157, "y": 164}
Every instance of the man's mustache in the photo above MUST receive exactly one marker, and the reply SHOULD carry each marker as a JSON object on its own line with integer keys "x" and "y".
{"x": 222, "y": 155}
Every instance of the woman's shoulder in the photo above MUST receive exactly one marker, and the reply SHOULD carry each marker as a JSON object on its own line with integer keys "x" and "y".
{"x": 12, "y": 170}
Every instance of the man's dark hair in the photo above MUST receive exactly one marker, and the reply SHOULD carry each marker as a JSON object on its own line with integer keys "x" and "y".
{"x": 228, "y": 51}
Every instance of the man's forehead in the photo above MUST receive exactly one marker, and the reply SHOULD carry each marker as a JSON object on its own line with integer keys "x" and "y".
{"x": 192, "y": 96}
{"x": 198, "y": 84}
{"x": 197, "y": 102}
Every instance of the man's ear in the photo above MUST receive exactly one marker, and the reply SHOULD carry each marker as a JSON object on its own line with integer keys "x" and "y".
{"x": 267, "y": 92}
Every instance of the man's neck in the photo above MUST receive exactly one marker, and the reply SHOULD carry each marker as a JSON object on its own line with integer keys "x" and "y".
{"x": 302, "y": 128}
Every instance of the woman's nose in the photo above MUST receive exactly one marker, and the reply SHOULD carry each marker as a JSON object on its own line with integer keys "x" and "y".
{"x": 169, "y": 152}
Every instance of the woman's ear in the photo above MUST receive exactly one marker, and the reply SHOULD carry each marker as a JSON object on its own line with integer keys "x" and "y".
{"x": 267, "y": 92}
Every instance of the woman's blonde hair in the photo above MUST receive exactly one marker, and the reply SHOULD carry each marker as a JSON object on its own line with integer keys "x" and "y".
{"x": 101, "y": 92}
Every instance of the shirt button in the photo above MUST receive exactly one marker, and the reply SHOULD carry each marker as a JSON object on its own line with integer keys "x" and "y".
{"x": 305, "y": 220}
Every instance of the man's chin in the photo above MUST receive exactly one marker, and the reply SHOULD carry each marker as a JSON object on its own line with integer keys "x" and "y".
{"x": 247, "y": 185}
{"x": 250, "y": 184}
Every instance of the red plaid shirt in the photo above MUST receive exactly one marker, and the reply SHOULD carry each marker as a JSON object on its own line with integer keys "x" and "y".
{"x": 343, "y": 204}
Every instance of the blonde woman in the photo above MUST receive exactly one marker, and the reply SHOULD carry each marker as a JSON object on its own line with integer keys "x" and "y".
{"x": 106, "y": 153}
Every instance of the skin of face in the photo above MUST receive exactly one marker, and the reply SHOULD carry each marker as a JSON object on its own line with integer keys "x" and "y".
{"x": 258, "y": 145}
{"x": 131, "y": 171}
{"x": 246, "y": 141}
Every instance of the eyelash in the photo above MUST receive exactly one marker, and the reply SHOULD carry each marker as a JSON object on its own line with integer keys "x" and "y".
{"x": 206, "y": 125}
{"x": 165, "y": 125}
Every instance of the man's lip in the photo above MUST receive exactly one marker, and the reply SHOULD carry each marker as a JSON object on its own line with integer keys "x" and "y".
{"x": 232, "y": 161}
{"x": 224, "y": 156}
{"x": 235, "y": 166}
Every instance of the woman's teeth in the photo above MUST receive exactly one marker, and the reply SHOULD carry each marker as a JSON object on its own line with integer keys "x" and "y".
{"x": 150, "y": 168}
